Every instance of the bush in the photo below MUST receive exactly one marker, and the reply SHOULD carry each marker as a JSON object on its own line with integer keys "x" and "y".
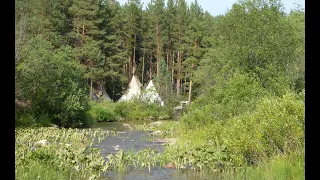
{"x": 140, "y": 110}
{"x": 54, "y": 84}
{"x": 102, "y": 111}
{"x": 122, "y": 109}
{"x": 276, "y": 127}
{"x": 225, "y": 100}
{"x": 126, "y": 110}
{"x": 24, "y": 119}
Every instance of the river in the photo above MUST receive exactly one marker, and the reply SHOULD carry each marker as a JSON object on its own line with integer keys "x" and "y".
{"x": 131, "y": 139}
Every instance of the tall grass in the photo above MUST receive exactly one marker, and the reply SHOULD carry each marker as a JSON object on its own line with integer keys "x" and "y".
{"x": 280, "y": 167}
{"x": 128, "y": 110}
{"x": 273, "y": 128}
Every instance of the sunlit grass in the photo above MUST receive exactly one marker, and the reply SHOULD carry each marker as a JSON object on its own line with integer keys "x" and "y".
{"x": 284, "y": 167}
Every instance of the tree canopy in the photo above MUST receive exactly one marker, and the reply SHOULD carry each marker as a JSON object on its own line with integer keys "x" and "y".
{"x": 64, "y": 49}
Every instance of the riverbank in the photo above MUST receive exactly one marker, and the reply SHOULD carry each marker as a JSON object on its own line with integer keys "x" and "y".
{"x": 139, "y": 146}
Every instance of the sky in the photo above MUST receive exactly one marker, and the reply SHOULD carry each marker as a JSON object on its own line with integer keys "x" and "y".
{"x": 219, "y": 7}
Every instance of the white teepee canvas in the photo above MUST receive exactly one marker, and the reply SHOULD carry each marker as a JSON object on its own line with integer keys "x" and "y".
{"x": 151, "y": 95}
{"x": 133, "y": 91}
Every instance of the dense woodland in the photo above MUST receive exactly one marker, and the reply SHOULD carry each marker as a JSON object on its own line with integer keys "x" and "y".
{"x": 244, "y": 72}
{"x": 65, "y": 48}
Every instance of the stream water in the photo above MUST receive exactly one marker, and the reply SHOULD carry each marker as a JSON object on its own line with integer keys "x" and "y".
{"x": 131, "y": 139}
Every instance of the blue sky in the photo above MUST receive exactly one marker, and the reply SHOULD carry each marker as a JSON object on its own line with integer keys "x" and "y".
{"x": 216, "y": 7}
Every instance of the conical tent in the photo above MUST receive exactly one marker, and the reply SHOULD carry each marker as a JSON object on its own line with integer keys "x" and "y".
{"x": 151, "y": 95}
{"x": 100, "y": 94}
{"x": 133, "y": 91}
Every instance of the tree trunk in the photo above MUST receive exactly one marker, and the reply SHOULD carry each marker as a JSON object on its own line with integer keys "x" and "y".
{"x": 134, "y": 65}
{"x": 185, "y": 86}
{"x": 129, "y": 68}
{"x": 91, "y": 89}
{"x": 167, "y": 52}
{"x": 178, "y": 75}
{"x": 150, "y": 68}
{"x": 172, "y": 69}
{"x": 144, "y": 53}
{"x": 190, "y": 88}
{"x": 158, "y": 47}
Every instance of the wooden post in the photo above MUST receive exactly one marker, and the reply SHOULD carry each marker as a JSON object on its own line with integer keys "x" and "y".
{"x": 190, "y": 88}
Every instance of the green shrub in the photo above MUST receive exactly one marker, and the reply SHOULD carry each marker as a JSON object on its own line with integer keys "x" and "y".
{"x": 136, "y": 109}
{"x": 54, "y": 83}
{"x": 102, "y": 111}
{"x": 225, "y": 100}
{"x": 274, "y": 127}
{"x": 24, "y": 119}
{"x": 277, "y": 126}
{"x": 122, "y": 109}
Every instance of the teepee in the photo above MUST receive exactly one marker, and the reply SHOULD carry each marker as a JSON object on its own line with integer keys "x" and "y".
{"x": 134, "y": 90}
{"x": 100, "y": 94}
{"x": 151, "y": 95}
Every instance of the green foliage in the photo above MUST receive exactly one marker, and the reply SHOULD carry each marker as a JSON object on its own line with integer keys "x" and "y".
{"x": 103, "y": 111}
{"x": 162, "y": 81}
{"x": 249, "y": 67}
{"x": 225, "y": 100}
{"x": 126, "y": 110}
{"x": 124, "y": 161}
{"x": 167, "y": 128}
{"x": 287, "y": 166}
{"x": 140, "y": 110}
{"x": 275, "y": 126}
{"x": 122, "y": 108}
{"x": 67, "y": 153}
{"x": 54, "y": 84}
{"x": 24, "y": 119}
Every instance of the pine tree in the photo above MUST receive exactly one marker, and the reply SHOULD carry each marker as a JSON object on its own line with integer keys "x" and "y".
{"x": 170, "y": 14}
{"x": 132, "y": 22}
{"x": 112, "y": 50}
{"x": 86, "y": 38}
{"x": 193, "y": 39}
{"x": 179, "y": 37}
{"x": 147, "y": 48}
{"x": 156, "y": 14}
{"x": 162, "y": 81}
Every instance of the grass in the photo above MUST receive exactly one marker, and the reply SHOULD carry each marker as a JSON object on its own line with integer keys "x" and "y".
{"x": 282, "y": 167}
{"x": 202, "y": 151}
{"x": 41, "y": 170}
{"x": 128, "y": 110}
